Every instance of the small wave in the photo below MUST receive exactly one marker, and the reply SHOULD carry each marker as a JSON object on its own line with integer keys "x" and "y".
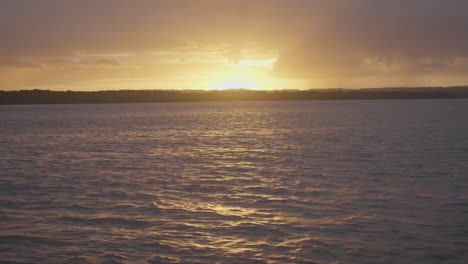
{"x": 20, "y": 239}
{"x": 108, "y": 221}
{"x": 250, "y": 229}
{"x": 457, "y": 204}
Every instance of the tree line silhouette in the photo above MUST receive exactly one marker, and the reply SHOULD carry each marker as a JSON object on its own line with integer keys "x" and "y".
{"x": 151, "y": 96}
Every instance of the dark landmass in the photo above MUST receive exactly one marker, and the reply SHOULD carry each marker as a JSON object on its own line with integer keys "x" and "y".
{"x": 151, "y": 96}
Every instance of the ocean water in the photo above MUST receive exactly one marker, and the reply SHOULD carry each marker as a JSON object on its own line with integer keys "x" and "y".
{"x": 239, "y": 182}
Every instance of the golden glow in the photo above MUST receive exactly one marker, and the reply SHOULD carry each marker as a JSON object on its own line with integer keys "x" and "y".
{"x": 190, "y": 68}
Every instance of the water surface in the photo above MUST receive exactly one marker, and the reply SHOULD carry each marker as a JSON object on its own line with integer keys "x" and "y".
{"x": 245, "y": 182}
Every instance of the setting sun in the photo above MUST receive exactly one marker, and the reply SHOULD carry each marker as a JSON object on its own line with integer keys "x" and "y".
{"x": 246, "y": 74}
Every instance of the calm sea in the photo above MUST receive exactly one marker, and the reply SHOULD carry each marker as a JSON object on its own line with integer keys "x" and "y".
{"x": 245, "y": 182}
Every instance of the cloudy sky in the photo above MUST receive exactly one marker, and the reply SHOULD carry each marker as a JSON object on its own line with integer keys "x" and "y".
{"x": 218, "y": 44}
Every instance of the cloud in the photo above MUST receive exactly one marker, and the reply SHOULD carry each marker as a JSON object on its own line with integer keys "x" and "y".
{"x": 88, "y": 62}
{"x": 19, "y": 63}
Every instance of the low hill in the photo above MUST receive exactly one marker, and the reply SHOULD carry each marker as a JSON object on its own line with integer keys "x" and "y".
{"x": 150, "y": 96}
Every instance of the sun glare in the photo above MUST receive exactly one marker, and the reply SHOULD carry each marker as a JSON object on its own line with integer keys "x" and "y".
{"x": 266, "y": 63}
{"x": 234, "y": 80}
{"x": 247, "y": 74}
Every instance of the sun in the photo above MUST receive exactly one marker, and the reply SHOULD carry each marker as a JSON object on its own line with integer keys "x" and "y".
{"x": 237, "y": 80}
{"x": 247, "y": 74}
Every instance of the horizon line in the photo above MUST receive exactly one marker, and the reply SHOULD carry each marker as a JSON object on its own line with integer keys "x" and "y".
{"x": 247, "y": 89}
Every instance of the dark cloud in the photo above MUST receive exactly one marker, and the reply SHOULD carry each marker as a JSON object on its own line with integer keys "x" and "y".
{"x": 380, "y": 38}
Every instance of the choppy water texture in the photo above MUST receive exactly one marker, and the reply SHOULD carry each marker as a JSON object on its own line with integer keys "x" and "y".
{"x": 256, "y": 182}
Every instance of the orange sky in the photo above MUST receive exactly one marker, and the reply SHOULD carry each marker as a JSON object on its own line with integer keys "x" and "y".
{"x": 220, "y": 44}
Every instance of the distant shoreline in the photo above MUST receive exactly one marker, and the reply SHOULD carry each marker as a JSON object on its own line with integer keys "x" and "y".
{"x": 24, "y": 97}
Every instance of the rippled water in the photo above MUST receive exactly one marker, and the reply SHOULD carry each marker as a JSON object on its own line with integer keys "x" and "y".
{"x": 256, "y": 182}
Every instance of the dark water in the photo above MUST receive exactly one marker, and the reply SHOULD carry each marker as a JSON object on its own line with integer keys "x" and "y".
{"x": 257, "y": 182}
